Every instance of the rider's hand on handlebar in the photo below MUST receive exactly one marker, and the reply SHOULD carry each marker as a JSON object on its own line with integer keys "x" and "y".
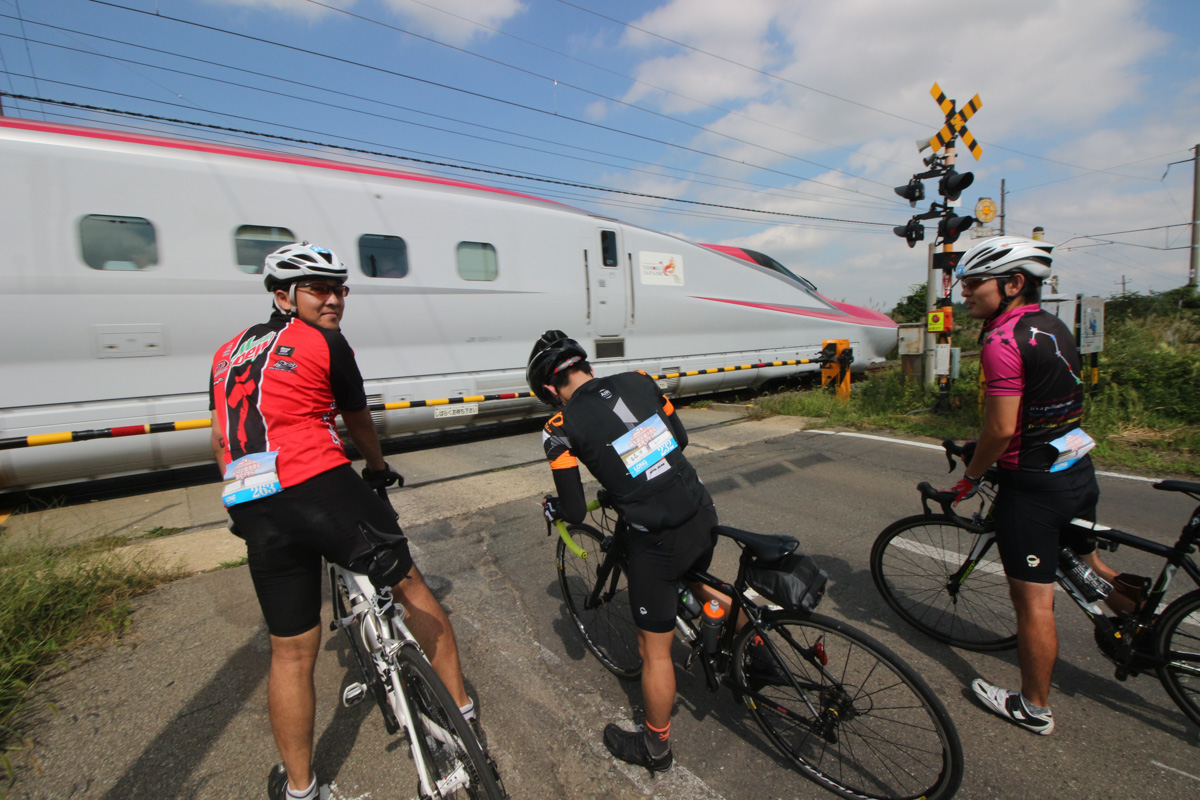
{"x": 550, "y": 509}
{"x": 383, "y": 478}
{"x": 965, "y": 489}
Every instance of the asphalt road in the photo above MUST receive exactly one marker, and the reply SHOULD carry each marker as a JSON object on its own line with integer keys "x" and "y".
{"x": 177, "y": 708}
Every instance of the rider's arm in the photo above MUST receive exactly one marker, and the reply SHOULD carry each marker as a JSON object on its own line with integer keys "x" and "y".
{"x": 568, "y": 485}
{"x": 366, "y": 439}
{"x": 1000, "y": 418}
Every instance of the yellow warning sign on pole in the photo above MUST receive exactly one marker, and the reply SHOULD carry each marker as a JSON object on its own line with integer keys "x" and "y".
{"x": 937, "y": 321}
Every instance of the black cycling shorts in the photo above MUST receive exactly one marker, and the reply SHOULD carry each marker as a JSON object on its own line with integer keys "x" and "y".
{"x": 1033, "y": 512}
{"x": 288, "y": 533}
{"x": 658, "y": 559}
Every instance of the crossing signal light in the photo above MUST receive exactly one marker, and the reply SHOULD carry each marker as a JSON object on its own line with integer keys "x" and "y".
{"x": 952, "y": 184}
{"x": 950, "y": 228}
{"x": 913, "y": 191}
{"x": 913, "y": 232}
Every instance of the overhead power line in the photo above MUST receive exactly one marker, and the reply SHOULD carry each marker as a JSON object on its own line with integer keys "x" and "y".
{"x": 412, "y": 159}
{"x": 522, "y": 106}
{"x": 658, "y": 172}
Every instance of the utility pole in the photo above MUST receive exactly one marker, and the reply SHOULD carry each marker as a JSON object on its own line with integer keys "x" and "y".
{"x": 1194, "y": 262}
{"x": 1002, "y": 196}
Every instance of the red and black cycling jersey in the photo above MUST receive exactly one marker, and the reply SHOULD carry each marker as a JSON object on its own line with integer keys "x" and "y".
{"x": 278, "y": 387}
{"x": 1029, "y": 353}
{"x": 625, "y": 431}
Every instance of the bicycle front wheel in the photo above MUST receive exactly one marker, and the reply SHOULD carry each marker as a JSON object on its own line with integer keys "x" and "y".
{"x": 916, "y": 565}
{"x": 597, "y": 598}
{"x": 1177, "y": 651}
{"x": 456, "y": 764}
{"x": 847, "y": 711}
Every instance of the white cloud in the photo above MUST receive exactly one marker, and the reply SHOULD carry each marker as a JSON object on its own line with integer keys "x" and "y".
{"x": 301, "y": 8}
{"x": 451, "y": 20}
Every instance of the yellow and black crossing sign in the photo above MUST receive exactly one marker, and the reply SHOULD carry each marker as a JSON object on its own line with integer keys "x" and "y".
{"x": 956, "y": 122}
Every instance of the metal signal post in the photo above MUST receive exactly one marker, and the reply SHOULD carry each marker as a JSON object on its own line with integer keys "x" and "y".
{"x": 951, "y": 184}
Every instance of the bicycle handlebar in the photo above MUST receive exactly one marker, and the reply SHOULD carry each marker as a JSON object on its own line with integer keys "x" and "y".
{"x": 566, "y": 538}
{"x": 945, "y": 499}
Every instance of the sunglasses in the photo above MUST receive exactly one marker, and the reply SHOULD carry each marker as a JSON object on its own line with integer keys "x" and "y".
{"x": 975, "y": 283}
{"x": 323, "y": 290}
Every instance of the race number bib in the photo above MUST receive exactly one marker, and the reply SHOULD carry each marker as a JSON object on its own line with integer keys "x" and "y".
{"x": 253, "y": 477}
{"x": 646, "y": 446}
{"x": 1072, "y": 446}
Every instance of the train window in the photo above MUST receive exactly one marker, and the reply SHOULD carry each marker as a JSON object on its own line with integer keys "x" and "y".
{"x": 477, "y": 261}
{"x": 118, "y": 243}
{"x": 255, "y": 242}
{"x": 608, "y": 247}
{"x": 382, "y": 256}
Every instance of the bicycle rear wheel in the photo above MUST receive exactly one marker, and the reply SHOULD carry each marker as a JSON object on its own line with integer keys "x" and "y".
{"x": 1177, "y": 650}
{"x": 603, "y": 618}
{"x": 457, "y": 764}
{"x": 914, "y": 564}
{"x": 858, "y": 721}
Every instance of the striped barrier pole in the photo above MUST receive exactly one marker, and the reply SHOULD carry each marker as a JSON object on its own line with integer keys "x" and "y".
{"x": 37, "y": 440}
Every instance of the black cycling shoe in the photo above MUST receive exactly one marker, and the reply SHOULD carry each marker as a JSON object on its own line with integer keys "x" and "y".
{"x": 277, "y": 783}
{"x": 630, "y": 747}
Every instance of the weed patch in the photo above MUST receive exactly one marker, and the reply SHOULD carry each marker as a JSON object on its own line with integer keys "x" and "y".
{"x": 50, "y": 600}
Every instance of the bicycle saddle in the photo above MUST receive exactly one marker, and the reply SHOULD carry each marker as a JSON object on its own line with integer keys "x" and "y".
{"x": 1178, "y": 486}
{"x": 762, "y": 545}
{"x": 378, "y": 561}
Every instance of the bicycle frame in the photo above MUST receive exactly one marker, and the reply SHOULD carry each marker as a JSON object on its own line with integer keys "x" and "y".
{"x": 379, "y": 623}
{"x": 717, "y": 666}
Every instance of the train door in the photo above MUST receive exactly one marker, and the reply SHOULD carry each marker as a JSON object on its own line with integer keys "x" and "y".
{"x": 607, "y": 281}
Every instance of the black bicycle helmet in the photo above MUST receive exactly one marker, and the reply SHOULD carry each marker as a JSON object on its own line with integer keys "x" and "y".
{"x": 551, "y": 354}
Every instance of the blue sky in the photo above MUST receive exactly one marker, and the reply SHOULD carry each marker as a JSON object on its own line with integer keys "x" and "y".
{"x": 807, "y": 109}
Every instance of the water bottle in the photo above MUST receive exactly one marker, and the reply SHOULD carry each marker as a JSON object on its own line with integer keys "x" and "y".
{"x": 710, "y": 626}
{"x": 1089, "y": 584}
{"x": 688, "y": 607}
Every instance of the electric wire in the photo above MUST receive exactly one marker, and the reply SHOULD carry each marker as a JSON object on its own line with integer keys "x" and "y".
{"x": 421, "y": 160}
{"x": 510, "y": 103}
{"x": 758, "y": 188}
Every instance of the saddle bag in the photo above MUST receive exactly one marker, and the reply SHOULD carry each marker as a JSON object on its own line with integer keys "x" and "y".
{"x": 794, "y": 582}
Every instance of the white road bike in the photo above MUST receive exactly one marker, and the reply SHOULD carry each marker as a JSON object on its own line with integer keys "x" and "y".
{"x": 449, "y": 759}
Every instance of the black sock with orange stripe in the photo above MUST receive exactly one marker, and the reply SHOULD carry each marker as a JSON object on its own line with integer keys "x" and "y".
{"x": 658, "y": 741}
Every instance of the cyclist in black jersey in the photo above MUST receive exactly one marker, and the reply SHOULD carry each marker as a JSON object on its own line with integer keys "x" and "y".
{"x": 626, "y": 432}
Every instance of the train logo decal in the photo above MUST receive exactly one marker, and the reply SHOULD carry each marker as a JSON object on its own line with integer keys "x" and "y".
{"x": 663, "y": 269}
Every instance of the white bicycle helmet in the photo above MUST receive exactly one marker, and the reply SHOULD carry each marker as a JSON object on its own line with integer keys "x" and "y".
{"x": 292, "y": 262}
{"x": 1002, "y": 255}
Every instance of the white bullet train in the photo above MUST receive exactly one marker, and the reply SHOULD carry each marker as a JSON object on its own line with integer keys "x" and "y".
{"x": 128, "y": 259}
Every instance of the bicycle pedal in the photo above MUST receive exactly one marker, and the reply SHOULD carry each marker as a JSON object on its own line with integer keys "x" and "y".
{"x": 354, "y": 694}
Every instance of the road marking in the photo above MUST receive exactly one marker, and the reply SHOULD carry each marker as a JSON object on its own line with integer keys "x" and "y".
{"x": 1172, "y": 769}
{"x": 949, "y": 556}
{"x": 939, "y": 447}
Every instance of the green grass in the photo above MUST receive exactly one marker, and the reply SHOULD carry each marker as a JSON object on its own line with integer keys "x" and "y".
{"x": 235, "y": 563}
{"x": 51, "y": 599}
{"x": 159, "y": 531}
{"x": 1129, "y": 436}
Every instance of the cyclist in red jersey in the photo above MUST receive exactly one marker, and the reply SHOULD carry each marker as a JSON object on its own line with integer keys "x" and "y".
{"x": 276, "y": 390}
{"x": 1031, "y": 431}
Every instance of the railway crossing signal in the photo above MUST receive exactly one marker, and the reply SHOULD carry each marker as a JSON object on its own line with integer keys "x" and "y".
{"x": 951, "y": 183}
{"x": 956, "y": 124}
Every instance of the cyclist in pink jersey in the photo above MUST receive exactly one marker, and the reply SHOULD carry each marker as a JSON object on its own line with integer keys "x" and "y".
{"x": 1031, "y": 431}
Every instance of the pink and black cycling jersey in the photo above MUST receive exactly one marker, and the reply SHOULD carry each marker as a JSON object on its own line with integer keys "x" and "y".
{"x": 278, "y": 387}
{"x": 1029, "y": 353}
